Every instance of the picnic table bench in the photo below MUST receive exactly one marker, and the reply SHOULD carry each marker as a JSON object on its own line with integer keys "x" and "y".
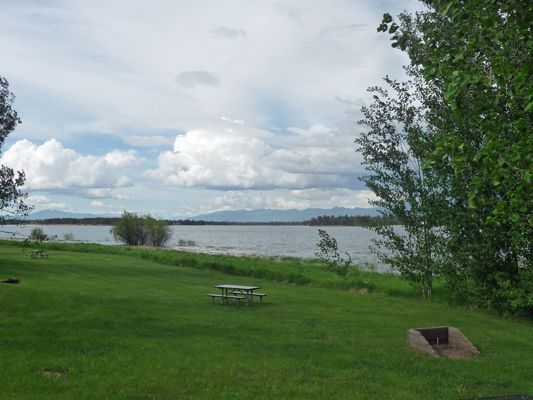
{"x": 237, "y": 293}
{"x": 236, "y": 298}
{"x": 36, "y": 253}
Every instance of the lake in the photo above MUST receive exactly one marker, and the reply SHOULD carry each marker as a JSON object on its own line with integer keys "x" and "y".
{"x": 272, "y": 241}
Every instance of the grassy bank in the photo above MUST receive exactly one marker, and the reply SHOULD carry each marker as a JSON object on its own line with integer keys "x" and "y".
{"x": 97, "y": 325}
{"x": 286, "y": 269}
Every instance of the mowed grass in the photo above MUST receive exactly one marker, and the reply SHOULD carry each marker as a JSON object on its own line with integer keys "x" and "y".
{"x": 104, "y": 326}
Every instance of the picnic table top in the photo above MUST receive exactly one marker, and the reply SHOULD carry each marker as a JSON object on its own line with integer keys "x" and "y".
{"x": 237, "y": 287}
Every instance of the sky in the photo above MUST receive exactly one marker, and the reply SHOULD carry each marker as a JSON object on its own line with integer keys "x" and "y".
{"x": 178, "y": 108}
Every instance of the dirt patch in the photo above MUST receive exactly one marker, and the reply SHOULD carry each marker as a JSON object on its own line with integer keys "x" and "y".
{"x": 458, "y": 353}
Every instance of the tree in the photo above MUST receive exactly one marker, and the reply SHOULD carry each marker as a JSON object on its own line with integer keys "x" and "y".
{"x": 130, "y": 230}
{"x": 487, "y": 253}
{"x": 158, "y": 231}
{"x": 393, "y": 150}
{"x": 329, "y": 255}
{"x": 486, "y": 68}
{"x": 11, "y": 197}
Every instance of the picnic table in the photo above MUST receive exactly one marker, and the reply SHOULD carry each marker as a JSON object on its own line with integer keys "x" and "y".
{"x": 237, "y": 293}
{"x": 36, "y": 253}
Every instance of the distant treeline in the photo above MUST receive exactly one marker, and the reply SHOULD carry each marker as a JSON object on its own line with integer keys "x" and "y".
{"x": 358, "y": 220}
{"x": 319, "y": 221}
{"x": 74, "y": 221}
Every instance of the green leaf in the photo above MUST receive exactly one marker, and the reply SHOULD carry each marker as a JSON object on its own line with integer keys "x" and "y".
{"x": 492, "y": 222}
{"x": 444, "y": 9}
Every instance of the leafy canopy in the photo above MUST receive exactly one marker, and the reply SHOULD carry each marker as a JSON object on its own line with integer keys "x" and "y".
{"x": 486, "y": 69}
{"x": 11, "y": 197}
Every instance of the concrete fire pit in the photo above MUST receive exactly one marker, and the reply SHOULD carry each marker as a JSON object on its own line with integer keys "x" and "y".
{"x": 443, "y": 341}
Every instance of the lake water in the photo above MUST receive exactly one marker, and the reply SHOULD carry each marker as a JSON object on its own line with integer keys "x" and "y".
{"x": 275, "y": 241}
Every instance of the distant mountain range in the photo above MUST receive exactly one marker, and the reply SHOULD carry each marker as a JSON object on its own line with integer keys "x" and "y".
{"x": 268, "y": 215}
{"x": 260, "y": 215}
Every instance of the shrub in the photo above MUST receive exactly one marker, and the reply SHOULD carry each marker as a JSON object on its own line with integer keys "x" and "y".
{"x": 157, "y": 231}
{"x": 130, "y": 230}
{"x": 37, "y": 234}
{"x": 68, "y": 236}
{"x": 329, "y": 255}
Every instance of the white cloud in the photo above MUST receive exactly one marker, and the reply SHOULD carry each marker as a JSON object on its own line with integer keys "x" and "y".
{"x": 292, "y": 199}
{"x": 236, "y": 121}
{"x": 99, "y": 193}
{"x": 123, "y": 197}
{"x": 42, "y": 202}
{"x": 218, "y": 158}
{"x": 121, "y": 159}
{"x": 320, "y": 194}
{"x": 99, "y": 66}
{"x": 204, "y": 158}
{"x": 254, "y": 199}
{"x": 359, "y": 198}
{"x": 159, "y": 68}
{"x": 52, "y": 166}
{"x": 100, "y": 204}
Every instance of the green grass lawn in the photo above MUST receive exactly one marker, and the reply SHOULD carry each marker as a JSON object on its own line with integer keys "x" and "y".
{"x": 108, "y": 326}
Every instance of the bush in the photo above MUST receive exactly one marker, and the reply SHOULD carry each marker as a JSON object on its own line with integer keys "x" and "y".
{"x": 157, "y": 231}
{"x": 37, "y": 234}
{"x": 68, "y": 236}
{"x": 134, "y": 230}
{"x": 130, "y": 230}
{"x": 329, "y": 255}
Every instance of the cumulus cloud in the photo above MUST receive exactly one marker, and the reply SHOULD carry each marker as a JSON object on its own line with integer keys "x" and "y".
{"x": 292, "y": 199}
{"x": 204, "y": 158}
{"x": 100, "y": 204}
{"x": 99, "y": 193}
{"x": 52, "y": 166}
{"x": 226, "y": 33}
{"x": 121, "y": 159}
{"x": 214, "y": 158}
{"x": 192, "y": 79}
{"x": 253, "y": 200}
{"x": 45, "y": 202}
